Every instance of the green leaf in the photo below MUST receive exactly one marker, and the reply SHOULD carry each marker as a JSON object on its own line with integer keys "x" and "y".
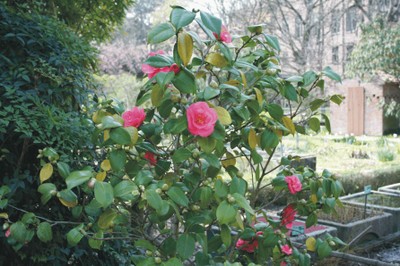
{"x": 178, "y": 196}
{"x": 18, "y": 232}
{"x": 181, "y": 155}
{"x": 63, "y": 169}
{"x": 205, "y": 196}
{"x": 242, "y": 202}
{"x": 275, "y": 111}
{"x": 95, "y": 243}
{"x": 46, "y": 190}
{"x": 77, "y": 178}
{"x": 160, "y": 33}
{"x": 117, "y": 160}
{"x": 268, "y": 140}
{"x": 181, "y": 17}
{"x": 256, "y": 28}
{"x": 185, "y": 246}
{"x": 68, "y": 196}
{"x": 207, "y": 144}
{"x": 212, "y": 23}
{"x": 126, "y": 190}
{"x": 44, "y": 232}
{"x": 226, "y": 235}
{"x": 50, "y": 152}
{"x": 221, "y": 189}
{"x": 144, "y": 177}
{"x": 272, "y": 42}
{"x": 108, "y": 122}
{"x": 226, "y": 213}
{"x": 327, "y": 122}
{"x": 317, "y": 103}
{"x": 323, "y": 249}
{"x": 214, "y": 163}
{"x": 238, "y": 185}
{"x": 103, "y": 193}
{"x": 314, "y": 124}
{"x": 153, "y": 199}
{"x": 337, "y": 98}
{"x": 120, "y": 136}
{"x": 173, "y": 262}
{"x": 175, "y": 125}
{"x": 309, "y": 78}
{"x": 289, "y": 92}
{"x": 145, "y": 244}
{"x": 208, "y": 93}
{"x": 164, "y": 78}
{"x": 184, "y": 81}
{"x": 328, "y": 71}
{"x": 106, "y": 218}
{"x": 75, "y": 235}
{"x": 159, "y": 61}
{"x": 311, "y": 220}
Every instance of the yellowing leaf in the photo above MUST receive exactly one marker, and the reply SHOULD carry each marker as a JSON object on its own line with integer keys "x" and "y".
{"x": 217, "y": 60}
{"x": 105, "y": 165}
{"x": 185, "y": 47}
{"x": 239, "y": 221}
{"x": 233, "y": 82}
{"x": 118, "y": 118}
{"x": 279, "y": 133}
{"x": 133, "y": 132}
{"x": 106, "y": 134}
{"x": 311, "y": 244}
{"x": 230, "y": 160}
{"x": 46, "y": 172}
{"x": 157, "y": 94}
{"x": 106, "y": 218}
{"x": 252, "y": 139}
{"x": 223, "y": 115}
{"x": 69, "y": 204}
{"x": 313, "y": 198}
{"x": 4, "y": 215}
{"x": 101, "y": 176}
{"x": 289, "y": 124}
{"x": 243, "y": 79}
{"x": 259, "y": 96}
{"x": 98, "y": 115}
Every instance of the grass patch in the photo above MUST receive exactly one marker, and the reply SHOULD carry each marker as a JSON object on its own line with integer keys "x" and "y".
{"x": 348, "y": 214}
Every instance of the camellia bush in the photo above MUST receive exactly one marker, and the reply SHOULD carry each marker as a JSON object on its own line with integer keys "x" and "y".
{"x": 169, "y": 184}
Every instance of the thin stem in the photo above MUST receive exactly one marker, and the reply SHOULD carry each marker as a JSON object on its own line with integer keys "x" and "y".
{"x": 43, "y": 218}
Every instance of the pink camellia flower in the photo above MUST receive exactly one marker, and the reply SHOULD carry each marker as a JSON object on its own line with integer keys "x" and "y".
{"x": 201, "y": 119}
{"x": 152, "y": 71}
{"x": 248, "y": 246}
{"x": 286, "y": 249}
{"x": 175, "y": 68}
{"x": 293, "y": 183}
{"x": 8, "y": 232}
{"x": 134, "y": 117}
{"x": 288, "y": 215}
{"x": 156, "y": 53}
{"x": 149, "y": 156}
{"x": 225, "y": 35}
{"x": 283, "y": 263}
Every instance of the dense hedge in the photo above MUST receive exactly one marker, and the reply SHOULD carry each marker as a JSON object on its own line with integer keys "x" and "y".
{"x": 45, "y": 93}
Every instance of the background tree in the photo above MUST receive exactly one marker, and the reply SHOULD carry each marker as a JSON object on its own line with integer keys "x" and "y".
{"x": 91, "y": 19}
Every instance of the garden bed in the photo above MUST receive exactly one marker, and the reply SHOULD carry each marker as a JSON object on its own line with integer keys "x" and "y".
{"x": 394, "y": 189}
{"x": 351, "y": 225}
{"x": 386, "y": 202}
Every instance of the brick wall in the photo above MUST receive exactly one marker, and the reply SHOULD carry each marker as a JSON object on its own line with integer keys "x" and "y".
{"x": 373, "y": 116}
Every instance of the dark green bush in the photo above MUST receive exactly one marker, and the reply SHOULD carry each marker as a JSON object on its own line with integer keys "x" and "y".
{"x": 46, "y": 92}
